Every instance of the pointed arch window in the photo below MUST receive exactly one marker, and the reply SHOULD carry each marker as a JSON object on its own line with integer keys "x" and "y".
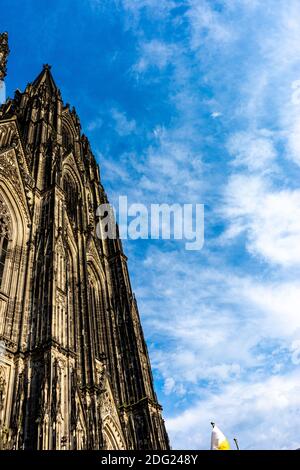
{"x": 96, "y": 307}
{"x": 71, "y": 197}
{"x": 72, "y": 299}
{"x": 4, "y": 239}
{"x": 93, "y": 312}
{"x": 67, "y": 140}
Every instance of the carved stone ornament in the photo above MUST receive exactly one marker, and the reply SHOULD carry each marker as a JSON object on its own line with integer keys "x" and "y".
{"x": 2, "y": 387}
{"x": 8, "y": 169}
{"x": 5, "y": 219}
{"x": 4, "y": 51}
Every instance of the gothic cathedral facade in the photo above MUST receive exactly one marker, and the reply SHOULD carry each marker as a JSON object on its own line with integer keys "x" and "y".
{"x": 74, "y": 366}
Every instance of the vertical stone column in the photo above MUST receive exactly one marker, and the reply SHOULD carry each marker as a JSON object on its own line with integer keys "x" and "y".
{"x": 4, "y": 51}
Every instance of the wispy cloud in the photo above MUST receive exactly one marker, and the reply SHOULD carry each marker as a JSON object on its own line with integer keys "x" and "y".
{"x": 154, "y": 53}
{"x": 253, "y": 150}
{"x": 123, "y": 125}
{"x": 269, "y": 217}
{"x": 218, "y": 123}
{"x": 117, "y": 120}
{"x": 257, "y": 413}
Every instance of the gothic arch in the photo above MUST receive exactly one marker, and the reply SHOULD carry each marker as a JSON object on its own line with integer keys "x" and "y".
{"x": 70, "y": 168}
{"x": 12, "y": 276}
{"x": 67, "y": 122}
{"x": 112, "y": 430}
{"x": 81, "y": 435}
{"x": 72, "y": 295}
{"x": 19, "y": 215}
{"x": 5, "y": 236}
{"x": 73, "y": 195}
{"x": 16, "y": 230}
{"x": 112, "y": 436}
{"x": 68, "y": 131}
{"x": 94, "y": 259}
{"x": 97, "y": 306}
{"x": 67, "y": 140}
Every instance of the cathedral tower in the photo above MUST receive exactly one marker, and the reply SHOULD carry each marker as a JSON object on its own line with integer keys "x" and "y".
{"x": 74, "y": 366}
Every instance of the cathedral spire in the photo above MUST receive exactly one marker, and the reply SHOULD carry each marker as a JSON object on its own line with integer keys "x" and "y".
{"x": 75, "y": 363}
{"x": 45, "y": 78}
{"x": 4, "y": 51}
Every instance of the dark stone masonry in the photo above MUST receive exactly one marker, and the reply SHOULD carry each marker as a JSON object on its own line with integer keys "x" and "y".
{"x": 74, "y": 366}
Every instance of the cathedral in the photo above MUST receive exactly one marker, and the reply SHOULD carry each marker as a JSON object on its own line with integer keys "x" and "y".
{"x": 74, "y": 367}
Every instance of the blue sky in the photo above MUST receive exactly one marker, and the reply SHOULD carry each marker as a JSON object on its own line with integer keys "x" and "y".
{"x": 195, "y": 101}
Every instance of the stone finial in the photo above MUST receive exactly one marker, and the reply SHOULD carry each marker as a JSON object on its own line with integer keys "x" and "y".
{"x": 4, "y": 51}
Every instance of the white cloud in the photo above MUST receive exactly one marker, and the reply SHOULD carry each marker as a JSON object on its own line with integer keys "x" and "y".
{"x": 224, "y": 329}
{"x": 215, "y": 322}
{"x": 158, "y": 8}
{"x": 270, "y": 218}
{"x": 211, "y": 363}
{"x": 262, "y": 415}
{"x": 154, "y": 53}
{"x": 95, "y": 124}
{"x": 216, "y": 114}
{"x": 207, "y": 26}
{"x": 295, "y": 351}
{"x": 168, "y": 171}
{"x": 116, "y": 172}
{"x": 279, "y": 303}
{"x": 123, "y": 125}
{"x": 255, "y": 150}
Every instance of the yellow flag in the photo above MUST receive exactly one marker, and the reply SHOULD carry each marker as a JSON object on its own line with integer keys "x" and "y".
{"x": 218, "y": 440}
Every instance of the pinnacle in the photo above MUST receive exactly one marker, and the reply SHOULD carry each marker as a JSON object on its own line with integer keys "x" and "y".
{"x": 45, "y": 77}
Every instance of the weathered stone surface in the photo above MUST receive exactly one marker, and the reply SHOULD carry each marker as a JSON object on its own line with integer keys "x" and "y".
{"x": 74, "y": 367}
